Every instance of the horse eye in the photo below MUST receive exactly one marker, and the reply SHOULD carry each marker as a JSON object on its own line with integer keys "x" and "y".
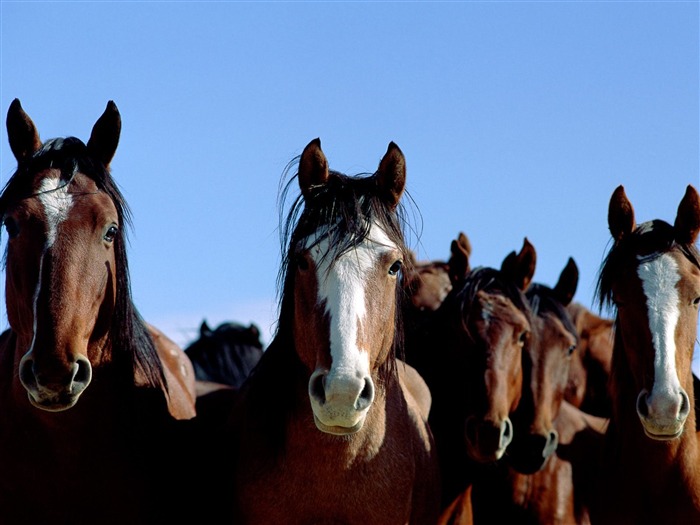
{"x": 395, "y": 268}
{"x": 571, "y": 349}
{"x": 111, "y": 233}
{"x": 11, "y": 227}
{"x": 696, "y": 302}
{"x": 523, "y": 337}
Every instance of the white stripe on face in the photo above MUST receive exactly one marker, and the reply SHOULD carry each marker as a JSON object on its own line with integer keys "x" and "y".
{"x": 53, "y": 195}
{"x": 659, "y": 278}
{"x": 342, "y": 287}
{"x": 57, "y": 202}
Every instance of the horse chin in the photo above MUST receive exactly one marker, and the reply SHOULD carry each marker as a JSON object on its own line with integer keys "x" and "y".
{"x": 53, "y": 405}
{"x": 338, "y": 430}
{"x": 663, "y": 434}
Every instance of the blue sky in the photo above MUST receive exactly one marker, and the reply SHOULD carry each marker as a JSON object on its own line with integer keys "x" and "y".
{"x": 517, "y": 119}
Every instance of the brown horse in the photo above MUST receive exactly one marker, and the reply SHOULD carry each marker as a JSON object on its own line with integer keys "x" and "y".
{"x": 590, "y": 364}
{"x": 471, "y": 358}
{"x": 651, "y": 469}
{"x": 431, "y": 281}
{"x": 545, "y": 370}
{"x": 90, "y": 394}
{"x": 328, "y": 429}
{"x": 519, "y": 490}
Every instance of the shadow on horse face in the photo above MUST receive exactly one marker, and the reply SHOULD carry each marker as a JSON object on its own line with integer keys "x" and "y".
{"x": 345, "y": 300}
{"x": 61, "y": 259}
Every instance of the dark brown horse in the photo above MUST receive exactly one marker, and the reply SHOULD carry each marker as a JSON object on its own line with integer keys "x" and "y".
{"x": 328, "y": 429}
{"x": 471, "y": 358}
{"x": 651, "y": 469}
{"x": 90, "y": 394}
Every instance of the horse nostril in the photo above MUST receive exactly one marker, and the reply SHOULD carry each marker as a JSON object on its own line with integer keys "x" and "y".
{"x": 685, "y": 405}
{"x": 83, "y": 371}
{"x": 317, "y": 389}
{"x": 642, "y": 406}
{"x": 366, "y": 396}
{"x": 506, "y": 432}
{"x": 26, "y": 373}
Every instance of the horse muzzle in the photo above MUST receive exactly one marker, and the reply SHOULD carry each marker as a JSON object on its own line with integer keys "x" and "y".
{"x": 663, "y": 415}
{"x": 58, "y": 390}
{"x": 340, "y": 402}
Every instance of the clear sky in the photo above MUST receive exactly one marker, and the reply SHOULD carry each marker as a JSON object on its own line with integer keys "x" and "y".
{"x": 517, "y": 119}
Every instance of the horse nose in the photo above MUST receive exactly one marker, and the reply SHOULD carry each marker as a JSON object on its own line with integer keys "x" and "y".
{"x": 506, "y": 432}
{"x": 357, "y": 393}
{"x": 74, "y": 381}
{"x": 673, "y": 405}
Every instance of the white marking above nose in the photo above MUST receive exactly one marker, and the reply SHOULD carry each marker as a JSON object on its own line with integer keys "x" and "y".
{"x": 659, "y": 278}
{"x": 341, "y": 286}
{"x": 53, "y": 195}
{"x": 57, "y": 202}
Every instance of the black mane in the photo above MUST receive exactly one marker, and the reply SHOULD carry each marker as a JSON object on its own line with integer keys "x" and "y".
{"x": 489, "y": 280}
{"x": 131, "y": 343}
{"x": 648, "y": 240}
{"x": 543, "y": 300}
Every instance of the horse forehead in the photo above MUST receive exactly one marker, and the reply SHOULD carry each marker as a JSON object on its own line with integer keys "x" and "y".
{"x": 360, "y": 258}
{"x": 496, "y": 306}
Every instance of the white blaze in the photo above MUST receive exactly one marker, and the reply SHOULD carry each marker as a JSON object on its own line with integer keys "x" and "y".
{"x": 57, "y": 202}
{"x": 659, "y": 278}
{"x": 342, "y": 287}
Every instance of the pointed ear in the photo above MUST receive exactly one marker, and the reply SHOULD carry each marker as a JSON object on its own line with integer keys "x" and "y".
{"x": 313, "y": 168}
{"x": 459, "y": 266}
{"x": 687, "y": 224}
{"x": 391, "y": 175}
{"x": 204, "y": 330}
{"x": 568, "y": 282}
{"x": 521, "y": 267}
{"x": 620, "y": 214}
{"x": 21, "y": 132}
{"x": 105, "y": 135}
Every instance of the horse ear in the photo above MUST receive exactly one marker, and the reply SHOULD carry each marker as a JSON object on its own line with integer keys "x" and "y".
{"x": 521, "y": 267}
{"x": 567, "y": 283}
{"x": 687, "y": 225}
{"x": 461, "y": 250}
{"x": 391, "y": 175}
{"x": 620, "y": 214}
{"x": 105, "y": 135}
{"x": 313, "y": 168}
{"x": 204, "y": 329}
{"x": 21, "y": 132}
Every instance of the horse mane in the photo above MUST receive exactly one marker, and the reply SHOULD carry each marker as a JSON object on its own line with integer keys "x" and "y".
{"x": 132, "y": 346}
{"x": 489, "y": 280}
{"x": 343, "y": 209}
{"x": 648, "y": 240}
{"x": 543, "y": 300}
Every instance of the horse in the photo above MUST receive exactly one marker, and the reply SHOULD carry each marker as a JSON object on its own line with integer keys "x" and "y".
{"x": 431, "y": 281}
{"x": 546, "y": 370}
{"x": 471, "y": 358}
{"x": 650, "y": 470}
{"x": 96, "y": 403}
{"x": 590, "y": 365}
{"x": 327, "y": 428}
{"x": 226, "y": 354}
{"x": 533, "y": 485}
